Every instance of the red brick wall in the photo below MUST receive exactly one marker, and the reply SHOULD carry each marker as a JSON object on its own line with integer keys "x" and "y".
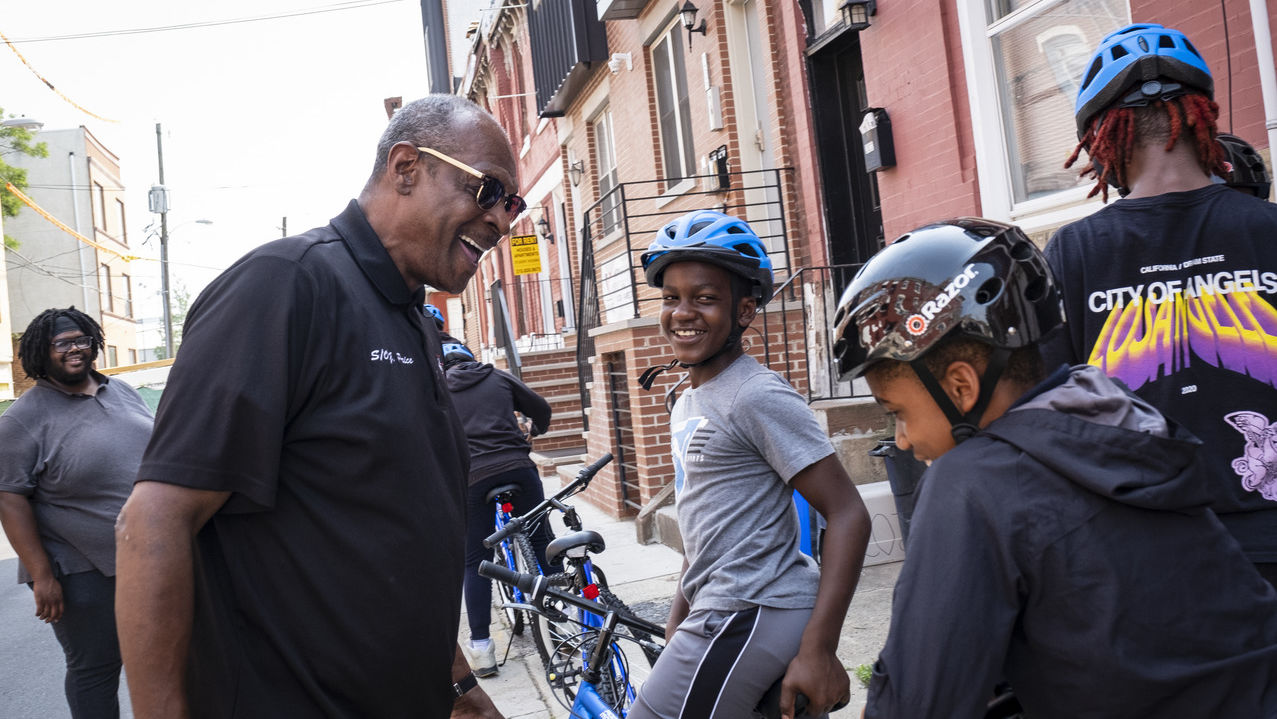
{"x": 1203, "y": 23}
{"x": 914, "y": 68}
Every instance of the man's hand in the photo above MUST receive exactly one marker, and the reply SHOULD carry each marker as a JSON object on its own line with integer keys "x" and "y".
{"x": 475, "y": 704}
{"x": 48, "y": 600}
{"x": 820, "y": 676}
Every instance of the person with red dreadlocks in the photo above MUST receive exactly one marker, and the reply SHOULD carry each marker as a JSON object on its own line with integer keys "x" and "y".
{"x": 1171, "y": 289}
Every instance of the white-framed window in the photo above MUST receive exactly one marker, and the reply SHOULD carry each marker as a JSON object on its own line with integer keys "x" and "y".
{"x": 1024, "y": 59}
{"x": 673, "y": 108}
{"x": 605, "y": 149}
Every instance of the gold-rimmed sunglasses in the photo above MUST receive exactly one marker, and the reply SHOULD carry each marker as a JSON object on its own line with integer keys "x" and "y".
{"x": 491, "y": 191}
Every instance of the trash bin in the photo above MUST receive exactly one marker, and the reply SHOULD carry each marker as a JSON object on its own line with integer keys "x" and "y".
{"x": 903, "y": 473}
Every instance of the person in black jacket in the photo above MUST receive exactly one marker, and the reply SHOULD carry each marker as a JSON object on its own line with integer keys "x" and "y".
{"x": 1062, "y": 539}
{"x": 487, "y": 398}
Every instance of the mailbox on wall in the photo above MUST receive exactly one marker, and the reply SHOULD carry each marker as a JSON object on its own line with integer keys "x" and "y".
{"x": 875, "y": 138}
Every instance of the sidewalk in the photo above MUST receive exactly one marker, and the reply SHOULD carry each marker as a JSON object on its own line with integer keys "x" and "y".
{"x": 644, "y": 576}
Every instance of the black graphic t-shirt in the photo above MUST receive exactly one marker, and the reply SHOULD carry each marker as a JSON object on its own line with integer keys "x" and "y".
{"x": 1175, "y": 296}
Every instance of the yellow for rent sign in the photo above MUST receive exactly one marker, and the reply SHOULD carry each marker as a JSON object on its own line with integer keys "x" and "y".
{"x": 525, "y": 255}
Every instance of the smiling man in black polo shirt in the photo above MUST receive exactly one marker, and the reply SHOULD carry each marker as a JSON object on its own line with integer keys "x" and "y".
{"x": 293, "y": 546}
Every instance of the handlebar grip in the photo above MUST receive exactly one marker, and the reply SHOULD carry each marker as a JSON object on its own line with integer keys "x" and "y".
{"x": 492, "y": 570}
{"x": 514, "y": 525}
{"x": 593, "y": 469}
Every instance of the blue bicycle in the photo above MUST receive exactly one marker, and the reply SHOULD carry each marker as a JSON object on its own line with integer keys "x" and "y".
{"x": 569, "y": 553}
{"x": 588, "y": 671}
{"x": 516, "y": 553}
{"x": 600, "y": 674}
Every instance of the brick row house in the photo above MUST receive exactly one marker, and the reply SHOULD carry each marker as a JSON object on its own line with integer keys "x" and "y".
{"x": 830, "y": 125}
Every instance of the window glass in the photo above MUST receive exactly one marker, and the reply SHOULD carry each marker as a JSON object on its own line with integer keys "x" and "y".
{"x": 98, "y": 198}
{"x": 121, "y": 232}
{"x": 999, "y": 9}
{"x": 126, "y": 283}
{"x": 673, "y": 106}
{"x": 606, "y": 150}
{"x": 1039, "y": 59}
{"x": 104, "y": 278}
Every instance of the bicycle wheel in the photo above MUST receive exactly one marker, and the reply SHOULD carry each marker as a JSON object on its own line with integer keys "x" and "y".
{"x": 525, "y": 560}
{"x": 607, "y": 597}
{"x": 509, "y": 557}
{"x": 548, "y": 635}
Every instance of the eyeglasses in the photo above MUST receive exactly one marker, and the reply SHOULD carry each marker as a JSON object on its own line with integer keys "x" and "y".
{"x": 83, "y": 342}
{"x": 491, "y": 191}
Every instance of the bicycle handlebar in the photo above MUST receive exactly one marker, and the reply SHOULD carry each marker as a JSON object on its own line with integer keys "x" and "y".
{"x": 516, "y": 524}
{"x": 537, "y": 588}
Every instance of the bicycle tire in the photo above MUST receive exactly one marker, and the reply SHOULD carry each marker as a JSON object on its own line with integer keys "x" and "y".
{"x": 607, "y": 597}
{"x": 525, "y": 559}
{"x": 514, "y": 616}
{"x": 548, "y": 636}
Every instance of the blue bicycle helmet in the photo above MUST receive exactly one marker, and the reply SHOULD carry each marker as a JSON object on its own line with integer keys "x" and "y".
{"x": 716, "y": 238}
{"x": 1139, "y": 64}
{"x": 434, "y": 312}
{"x": 456, "y": 352}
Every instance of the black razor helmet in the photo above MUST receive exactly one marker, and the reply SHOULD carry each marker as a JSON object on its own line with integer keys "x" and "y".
{"x": 971, "y": 276}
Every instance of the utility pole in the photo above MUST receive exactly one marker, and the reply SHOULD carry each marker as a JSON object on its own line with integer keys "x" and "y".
{"x": 159, "y": 203}
{"x": 284, "y": 227}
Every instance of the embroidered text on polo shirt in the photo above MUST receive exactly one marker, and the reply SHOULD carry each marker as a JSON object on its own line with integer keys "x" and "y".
{"x": 385, "y": 355}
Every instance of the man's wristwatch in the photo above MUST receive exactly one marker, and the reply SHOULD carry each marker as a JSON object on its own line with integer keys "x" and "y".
{"x": 465, "y": 684}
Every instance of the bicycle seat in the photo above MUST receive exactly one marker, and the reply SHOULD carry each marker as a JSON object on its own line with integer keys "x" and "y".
{"x": 574, "y": 545}
{"x": 491, "y": 496}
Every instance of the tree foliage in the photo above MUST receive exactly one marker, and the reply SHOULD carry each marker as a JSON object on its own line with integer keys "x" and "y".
{"x": 15, "y": 140}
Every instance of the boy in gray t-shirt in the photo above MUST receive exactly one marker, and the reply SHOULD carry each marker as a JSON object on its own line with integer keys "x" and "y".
{"x": 750, "y": 607}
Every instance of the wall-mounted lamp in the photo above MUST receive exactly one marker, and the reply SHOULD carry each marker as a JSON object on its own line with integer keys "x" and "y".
{"x": 543, "y": 228}
{"x": 620, "y": 60}
{"x": 576, "y": 170}
{"x": 856, "y": 13}
{"x": 688, "y": 11}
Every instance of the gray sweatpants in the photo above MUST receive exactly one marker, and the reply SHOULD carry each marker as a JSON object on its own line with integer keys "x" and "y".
{"x": 719, "y": 664}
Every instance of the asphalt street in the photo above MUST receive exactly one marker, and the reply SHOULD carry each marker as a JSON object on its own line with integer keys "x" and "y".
{"x": 31, "y": 663}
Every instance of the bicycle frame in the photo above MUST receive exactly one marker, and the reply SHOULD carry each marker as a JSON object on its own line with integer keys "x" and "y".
{"x": 592, "y": 620}
{"x": 603, "y": 620}
{"x": 501, "y": 520}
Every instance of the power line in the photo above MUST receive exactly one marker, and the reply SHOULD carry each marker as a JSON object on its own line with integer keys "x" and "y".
{"x": 353, "y": 5}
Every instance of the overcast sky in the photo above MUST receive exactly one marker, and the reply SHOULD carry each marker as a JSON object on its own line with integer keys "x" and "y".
{"x": 262, "y": 119}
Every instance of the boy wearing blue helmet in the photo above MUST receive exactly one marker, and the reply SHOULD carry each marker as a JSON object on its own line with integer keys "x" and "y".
{"x": 1060, "y": 539}
{"x": 1173, "y": 289}
{"x": 750, "y": 607}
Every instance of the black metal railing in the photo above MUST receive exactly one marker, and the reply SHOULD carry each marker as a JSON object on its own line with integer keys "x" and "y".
{"x": 796, "y": 332}
{"x": 620, "y": 225}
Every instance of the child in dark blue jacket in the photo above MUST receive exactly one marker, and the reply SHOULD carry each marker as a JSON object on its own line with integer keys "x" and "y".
{"x": 1061, "y": 539}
